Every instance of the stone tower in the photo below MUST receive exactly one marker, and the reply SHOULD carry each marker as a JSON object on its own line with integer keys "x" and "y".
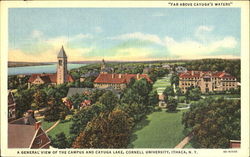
{"x": 103, "y": 65}
{"x": 62, "y": 73}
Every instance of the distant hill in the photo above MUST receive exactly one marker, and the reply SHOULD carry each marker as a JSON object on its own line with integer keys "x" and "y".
{"x": 22, "y": 64}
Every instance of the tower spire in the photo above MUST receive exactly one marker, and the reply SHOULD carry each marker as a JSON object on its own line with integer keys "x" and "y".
{"x": 62, "y": 73}
{"x": 62, "y": 53}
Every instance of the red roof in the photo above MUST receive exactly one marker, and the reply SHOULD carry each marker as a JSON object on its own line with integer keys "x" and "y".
{"x": 48, "y": 78}
{"x": 119, "y": 78}
{"x": 216, "y": 74}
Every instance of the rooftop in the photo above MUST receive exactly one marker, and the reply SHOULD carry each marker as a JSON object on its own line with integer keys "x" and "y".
{"x": 62, "y": 53}
{"x": 119, "y": 78}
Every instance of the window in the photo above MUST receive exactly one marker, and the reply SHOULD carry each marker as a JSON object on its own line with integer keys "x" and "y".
{"x": 60, "y": 62}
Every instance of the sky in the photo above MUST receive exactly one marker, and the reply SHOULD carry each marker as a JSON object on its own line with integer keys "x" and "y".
{"x": 135, "y": 34}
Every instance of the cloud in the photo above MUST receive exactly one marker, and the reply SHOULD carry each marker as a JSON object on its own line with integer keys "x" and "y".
{"x": 129, "y": 46}
{"x": 46, "y": 49}
{"x": 36, "y": 34}
{"x": 140, "y": 36}
{"x": 193, "y": 48}
{"x": 205, "y": 28}
{"x": 203, "y": 32}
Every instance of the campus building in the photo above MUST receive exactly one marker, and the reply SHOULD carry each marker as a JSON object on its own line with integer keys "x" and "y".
{"x": 26, "y": 132}
{"x": 11, "y": 107}
{"x": 207, "y": 81}
{"x": 117, "y": 81}
{"x": 60, "y": 77}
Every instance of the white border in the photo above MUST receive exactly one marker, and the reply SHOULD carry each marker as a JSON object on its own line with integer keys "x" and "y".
{"x": 244, "y": 5}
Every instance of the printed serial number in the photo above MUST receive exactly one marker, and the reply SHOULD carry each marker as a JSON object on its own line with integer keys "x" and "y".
{"x": 230, "y": 151}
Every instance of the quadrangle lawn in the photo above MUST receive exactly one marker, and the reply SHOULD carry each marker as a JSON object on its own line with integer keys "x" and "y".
{"x": 46, "y": 125}
{"x": 158, "y": 130}
{"x": 61, "y": 127}
{"x": 162, "y": 83}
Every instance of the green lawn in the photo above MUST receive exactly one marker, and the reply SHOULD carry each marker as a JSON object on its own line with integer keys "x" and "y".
{"x": 46, "y": 125}
{"x": 158, "y": 130}
{"x": 162, "y": 83}
{"x": 61, "y": 127}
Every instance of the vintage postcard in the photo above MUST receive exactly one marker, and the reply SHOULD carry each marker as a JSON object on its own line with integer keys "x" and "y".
{"x": 125, "y": 78}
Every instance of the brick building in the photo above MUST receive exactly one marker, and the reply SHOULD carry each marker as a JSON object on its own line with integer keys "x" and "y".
{"x": 61, "y": 76}
{"x": 26, "y": 132}
{"x": 207, "y": 81}
{"x": 11, "y": 107}
{"x": 117, "y": 81}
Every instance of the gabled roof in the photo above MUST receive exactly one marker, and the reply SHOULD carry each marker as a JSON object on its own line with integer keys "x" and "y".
{"x": 20, "y": 136}
{"x": 214, "y": 74}
{"x": 74, "y": 91}
{"x": 62, "y": 53}
{"x": 48, "y": 78}
{"x": 119, "y": 78}
{"x": 90, "y": 74}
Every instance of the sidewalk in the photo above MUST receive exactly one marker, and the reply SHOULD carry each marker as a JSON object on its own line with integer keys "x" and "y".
{"x": 184, "y": 141}
{"x": 53, "y": 126}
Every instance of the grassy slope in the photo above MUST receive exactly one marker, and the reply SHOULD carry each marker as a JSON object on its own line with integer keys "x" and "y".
{"x": 161, "y": 84}
{"x": 158, "y": 130}
{"x": 46, "y": 125}
{"x": 61, "y": 127}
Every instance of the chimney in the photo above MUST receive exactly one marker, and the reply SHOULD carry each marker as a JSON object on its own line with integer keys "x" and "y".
{"x": 31, "y": 113}
{"x": 38, "y": 125}
{"x": 192, "y": 72}
{"x": 138, "y": 76}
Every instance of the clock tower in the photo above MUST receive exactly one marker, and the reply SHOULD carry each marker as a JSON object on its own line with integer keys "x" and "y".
{"x": 62, "y": 73}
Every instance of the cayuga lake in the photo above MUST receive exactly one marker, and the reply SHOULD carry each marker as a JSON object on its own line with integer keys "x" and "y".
{"x": 39, "y": 69}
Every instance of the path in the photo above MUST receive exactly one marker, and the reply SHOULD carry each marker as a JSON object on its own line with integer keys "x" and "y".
{"x": 183, "y": 108}
{"x": 184, "y": 141}
{"x": 53, "y": 126}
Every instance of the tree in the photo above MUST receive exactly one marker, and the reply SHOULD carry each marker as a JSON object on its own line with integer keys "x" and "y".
{"x": 60, "y": 141}
{"x": 109, "y": 99}
{"x": 23, "y": 100}
{"x": 77, "y": 99}
{"x": 108, "y": 130}
{"x": 135, "y": 111}
{"x": 56, "y": 110}
{"x": 213, "y": 122}
{"x": 95, "y": 95}
{"x": 153, "y": 98}
{"x": 169, "y": 91}
{"x": 171, "y": 104}
{"x": 130, "y": 96}
{"x": 85, "y": 115}
{"x": 174, "y": 79}
{"x": 178, "y": 91}
{"x": 40, "y": 99}
{"x": 193, "y": 94}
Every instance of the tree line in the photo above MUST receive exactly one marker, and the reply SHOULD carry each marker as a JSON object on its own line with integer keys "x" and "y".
{"x": 108, "y": 122}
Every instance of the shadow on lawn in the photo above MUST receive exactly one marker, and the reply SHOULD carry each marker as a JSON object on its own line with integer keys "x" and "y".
{"x": 176, "y": 111}
{"x": 144, "y": 122}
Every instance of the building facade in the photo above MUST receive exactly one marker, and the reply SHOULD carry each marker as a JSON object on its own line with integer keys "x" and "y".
{"x": 26, "y": 132}
{"x": 117, "y": 81}
{"x": 207, "y": 81}
{"x": 11, "y": 107}
{"x": 60, "y": 77}
{"x": 62, "y": 71}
